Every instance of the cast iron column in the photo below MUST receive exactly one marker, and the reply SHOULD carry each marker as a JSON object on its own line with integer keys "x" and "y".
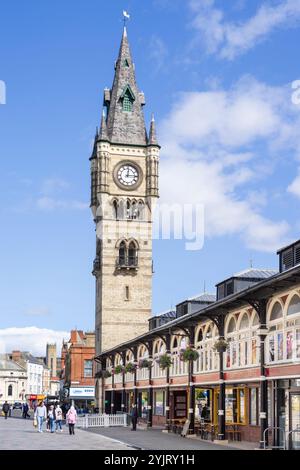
{"x": 134, "y": 378}
{"x": 123, "y": 405}
{"x": 191, "y": 402}
{"x": 263, "y": 381}
{"x": 168, "y": 351}
{"x": 221, "y": 410}
{"x": 112, "y": 404}
{"x": 150, "y": 390}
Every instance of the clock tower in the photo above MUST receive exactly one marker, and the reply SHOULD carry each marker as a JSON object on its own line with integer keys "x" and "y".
{"x": 124, "y": 189}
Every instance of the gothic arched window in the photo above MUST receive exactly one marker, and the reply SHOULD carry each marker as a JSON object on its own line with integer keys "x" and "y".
{"x": 122, "y": 254}
{"x": 115, "y": 209}
{"x": 10, "y": 390}
{"x": 132, "y": 254}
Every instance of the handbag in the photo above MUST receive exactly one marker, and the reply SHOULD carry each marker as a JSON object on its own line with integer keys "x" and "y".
{"x": 35, "y": 423}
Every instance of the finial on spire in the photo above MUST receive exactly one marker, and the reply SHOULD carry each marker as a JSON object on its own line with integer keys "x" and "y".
{"x": 103, "y": 135}
{"x": 126, "y": 17}
{"x": 152, "y": 134}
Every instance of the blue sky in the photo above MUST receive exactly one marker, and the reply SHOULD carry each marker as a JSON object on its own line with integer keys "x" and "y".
{"x": 218, "y": 77}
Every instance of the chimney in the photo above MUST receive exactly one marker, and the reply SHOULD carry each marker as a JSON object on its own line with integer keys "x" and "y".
{"x": 73, "y": 336}
{"x": 16, "y": 356}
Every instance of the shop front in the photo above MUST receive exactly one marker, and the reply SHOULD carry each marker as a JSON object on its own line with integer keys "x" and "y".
{"x": 33, "y": 400}
{"x": 241, "y": 411}
{"x": 284, "y": 412}
{"x": 142, "y": 406}
{"x": 159, "y": 407}
{"x": 83, "y": 398}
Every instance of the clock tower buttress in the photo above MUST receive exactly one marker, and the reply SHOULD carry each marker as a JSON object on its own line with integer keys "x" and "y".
{"x": 124, "y": 190}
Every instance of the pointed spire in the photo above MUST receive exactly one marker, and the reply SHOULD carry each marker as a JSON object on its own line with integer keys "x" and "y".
{"x": 125, "y": 118}
{"x": 152, "y": 134}
{"x": 103, "y": 128}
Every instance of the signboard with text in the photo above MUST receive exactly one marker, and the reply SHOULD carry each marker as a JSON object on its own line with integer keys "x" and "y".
{"x": 82, "y": 392}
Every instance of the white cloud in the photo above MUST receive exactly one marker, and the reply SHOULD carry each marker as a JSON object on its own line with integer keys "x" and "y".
{"x": 294, "y": 187}
{"x": 158, "y": 52}
{"x": 51, "y": 204}
{"x": 54, "y": 185}
{"x": 229, "y": 39}
{"x": 30, "y": 339}
{"x": 37, "y": 312}
{"x": 214, "y": 146}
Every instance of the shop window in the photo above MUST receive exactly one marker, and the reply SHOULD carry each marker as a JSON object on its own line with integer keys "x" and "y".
{"x": 254, "y": 406}
{"x": 235, "y": 406}
{"x": 203, "y": 405}
{"x": 159, "y": 403}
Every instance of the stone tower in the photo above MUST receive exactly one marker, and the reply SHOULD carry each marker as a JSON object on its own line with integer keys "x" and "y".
{"x": 51, "y": 359}
{"x": 124, "y": 189}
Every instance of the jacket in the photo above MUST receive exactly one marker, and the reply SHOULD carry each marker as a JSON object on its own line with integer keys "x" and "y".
{"x": 71, "y": 416}
{"x": 41, "y": 412}
{"x": 5, "y": 408}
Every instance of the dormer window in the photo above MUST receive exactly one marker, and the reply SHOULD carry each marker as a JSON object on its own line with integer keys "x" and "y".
{"x": 127, "y": 103}
{"x": 128, "y": 99}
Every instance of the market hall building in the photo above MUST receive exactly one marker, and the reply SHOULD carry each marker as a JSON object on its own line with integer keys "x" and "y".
{"x": 230, "y": 363}
{"x": 234, "y": 363}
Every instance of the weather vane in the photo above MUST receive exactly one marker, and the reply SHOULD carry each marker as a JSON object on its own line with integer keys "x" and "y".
{"x": 126, "y": 17}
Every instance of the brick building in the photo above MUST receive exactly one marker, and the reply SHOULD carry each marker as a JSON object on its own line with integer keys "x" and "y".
{"x": 77, "y": 382}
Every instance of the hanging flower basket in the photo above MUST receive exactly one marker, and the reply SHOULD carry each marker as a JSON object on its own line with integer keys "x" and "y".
{"x": 119, "y": 369}
{"x": 189, "y": 354}
{"x": 145, "y": 363}
{"x": 130, "y": 368}
{"x": 221, "y": 345}
{"x": 164, "y": 361}
{"x": 106, "y": 374}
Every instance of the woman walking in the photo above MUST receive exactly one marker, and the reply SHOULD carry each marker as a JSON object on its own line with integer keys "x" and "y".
{"x": 40, "y": 415}
{"x": 51, "y": 416}
{"x": 71, "y": 419}
{"x": 58, "y": 417}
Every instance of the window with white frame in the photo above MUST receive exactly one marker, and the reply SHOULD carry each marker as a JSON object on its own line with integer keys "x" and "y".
{"x": 283, "y": 341}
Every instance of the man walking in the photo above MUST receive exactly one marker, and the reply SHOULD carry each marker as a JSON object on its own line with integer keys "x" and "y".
{"x": 5, "y": 409}
{"x": 134, "y": 417}
{"x": 25, "y": 411}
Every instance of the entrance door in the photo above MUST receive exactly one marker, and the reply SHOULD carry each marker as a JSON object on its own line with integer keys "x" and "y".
{"x": 295, "y": 420}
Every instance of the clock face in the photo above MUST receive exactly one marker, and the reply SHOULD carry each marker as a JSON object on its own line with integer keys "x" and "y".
{"x": 128, "y": 175}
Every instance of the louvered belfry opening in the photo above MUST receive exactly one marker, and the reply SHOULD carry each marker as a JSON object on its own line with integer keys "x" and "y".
{"x": 289, "y": 256}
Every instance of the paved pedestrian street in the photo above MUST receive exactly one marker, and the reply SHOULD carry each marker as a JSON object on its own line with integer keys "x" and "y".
{"x": 155, "y": 439}
{"x": 19, "y": 434}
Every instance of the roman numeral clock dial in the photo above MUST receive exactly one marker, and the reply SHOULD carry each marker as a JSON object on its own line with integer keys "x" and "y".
{"x": 128, "y": 176}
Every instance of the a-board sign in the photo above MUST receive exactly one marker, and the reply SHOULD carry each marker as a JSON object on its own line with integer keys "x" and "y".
{"x": 186, "y": 428}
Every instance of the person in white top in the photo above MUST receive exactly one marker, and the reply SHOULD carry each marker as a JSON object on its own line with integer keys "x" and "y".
{"x": 58, "y": 418}
{"x": 40, "y": 415}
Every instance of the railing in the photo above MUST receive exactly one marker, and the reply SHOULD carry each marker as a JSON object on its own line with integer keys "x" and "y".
{"x": 293, "y": 444}
{"x": 102, "y": 421}
{"x": 278, "y": 431}
{"x": 118, "y": 378}
{"x": 178, "y": 367}
{"x": 129, "y": 377}
{"x": 143, "y": 374}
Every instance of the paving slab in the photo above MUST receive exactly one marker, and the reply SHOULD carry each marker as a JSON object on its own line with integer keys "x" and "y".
{"x": 155, "y": 439}
{"x": 20, "y": 434}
